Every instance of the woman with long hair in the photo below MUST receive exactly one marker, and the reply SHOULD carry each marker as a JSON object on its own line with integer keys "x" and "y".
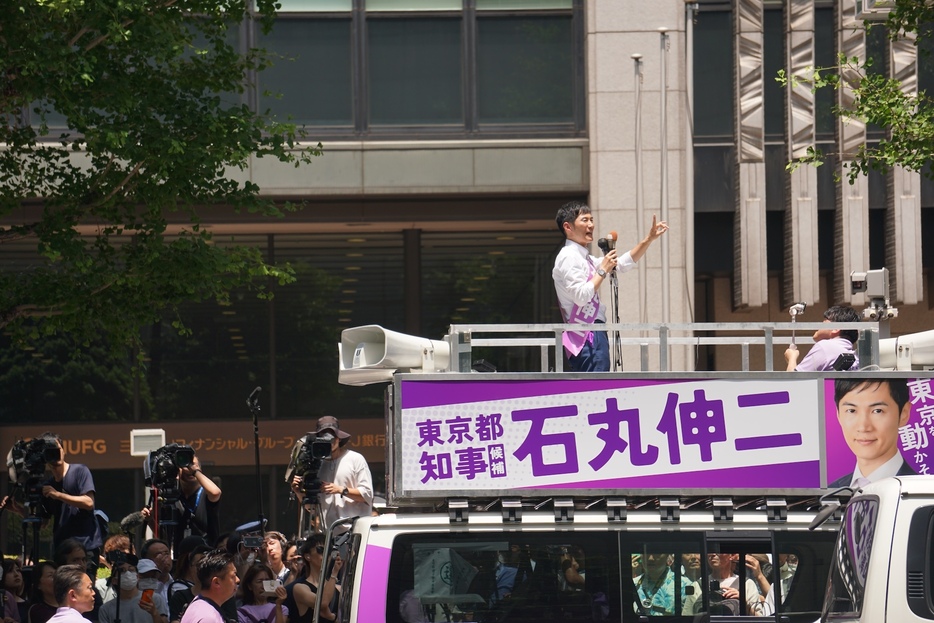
{"x": 42, "y": 605}
{"x": 257, "y": 607}
{"x": 303, "y": 593}
{"x": 14, "y": 586}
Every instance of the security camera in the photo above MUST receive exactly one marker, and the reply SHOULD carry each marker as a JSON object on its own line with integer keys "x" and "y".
{"x": 857, "y": 282}
{"x": 797, "y": 309}
{"x": 875, "y": 283}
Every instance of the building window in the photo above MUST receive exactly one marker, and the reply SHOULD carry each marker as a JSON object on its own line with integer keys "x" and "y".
{"x": 313, "y": 67}
{"x": 446, "y": 67}
{"x": 414, "y": 71}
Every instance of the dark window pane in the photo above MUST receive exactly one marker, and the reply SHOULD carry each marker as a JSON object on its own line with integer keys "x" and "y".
{"x": 314, "y": 75}
{"x": 776, "y": 177}
{"x": 415, "y": 71}
{"x": 525, "y": 69}
{"x": 774, "y": 59}
{"x": 713, "y": 74}
{"x": 713, "y": 243}
{"x": 714, "y": 179}
{"x": 877, "y": 51}
{"x": 824, "y": 56}
{"x": 473, "y": 278}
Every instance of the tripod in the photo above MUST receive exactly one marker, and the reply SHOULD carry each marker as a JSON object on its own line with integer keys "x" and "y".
{"x": 32, "y": 519}
{"x": 165, "y": 519}
{"x": 311, "y": 517}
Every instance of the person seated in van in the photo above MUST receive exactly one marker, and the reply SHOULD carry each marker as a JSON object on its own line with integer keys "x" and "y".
{"x": 691, "y": 566}
{"x": 724, "y": 581}
{"x": 572, "y": 575}
{"x": 510, "y": 570}
{"x": 656, "y": 589}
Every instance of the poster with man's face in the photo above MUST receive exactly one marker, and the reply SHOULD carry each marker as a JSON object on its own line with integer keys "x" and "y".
{"x": 878, "y": 427}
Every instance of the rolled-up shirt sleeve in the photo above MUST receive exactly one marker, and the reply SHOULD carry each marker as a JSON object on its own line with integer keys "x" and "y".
{"x": 570, "y": 275}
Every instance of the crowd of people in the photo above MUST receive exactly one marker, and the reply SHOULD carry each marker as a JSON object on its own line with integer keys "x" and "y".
{"x": 736, "y": 584}
{"x": 196, "y": 574}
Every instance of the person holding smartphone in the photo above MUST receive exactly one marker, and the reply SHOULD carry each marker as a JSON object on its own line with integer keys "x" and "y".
{"x": 135, "y": 605}
{"x": 260, "y": 604}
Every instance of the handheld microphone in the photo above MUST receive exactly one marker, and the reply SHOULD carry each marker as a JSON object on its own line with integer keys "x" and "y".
{"x": 604, "y": 245}
{"x": 132, "y": 521}
{"x": 611, "y": 239}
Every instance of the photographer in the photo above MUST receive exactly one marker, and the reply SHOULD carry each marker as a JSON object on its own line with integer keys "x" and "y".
{"x": 346, "y": 487}
{"x": 68, "y": 497}
{"x": 198, "y": 504}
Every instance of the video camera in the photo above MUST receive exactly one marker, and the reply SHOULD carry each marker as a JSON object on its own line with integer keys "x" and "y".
{"x": 26, "y": 463}
{"x": 116, "y": 558}
{"x": 307, "y": 454}
{"x": 162, "y": 466}
{"x": 27, "y": 459}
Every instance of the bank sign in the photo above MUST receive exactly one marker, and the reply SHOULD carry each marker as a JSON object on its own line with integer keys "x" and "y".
{"x": 701, "y": 435}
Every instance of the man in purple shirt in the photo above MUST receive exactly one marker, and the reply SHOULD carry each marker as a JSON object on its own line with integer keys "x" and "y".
{"x": 217, "y": 576}
{"x": 829, "y": 344}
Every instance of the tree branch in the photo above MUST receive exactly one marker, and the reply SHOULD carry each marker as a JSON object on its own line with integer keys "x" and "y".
{"x": 27, "y": 311}
{"x": 122, "y": 184}
{"x": 20, "y": 232}
{"x": 124, "y": 24}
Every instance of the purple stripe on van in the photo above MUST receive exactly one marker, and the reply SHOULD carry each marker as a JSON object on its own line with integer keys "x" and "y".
{"x": 417, "y": 394}
{"x": 371, "y": 608}
{"x": 803, "y": 474}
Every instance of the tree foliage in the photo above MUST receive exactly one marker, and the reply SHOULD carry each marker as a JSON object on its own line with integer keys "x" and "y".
{"x": 907, "y": 118}
{"x": 123, "y": 122}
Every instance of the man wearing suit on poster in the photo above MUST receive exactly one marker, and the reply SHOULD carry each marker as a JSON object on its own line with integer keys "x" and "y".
{"x": 870, "y": 412}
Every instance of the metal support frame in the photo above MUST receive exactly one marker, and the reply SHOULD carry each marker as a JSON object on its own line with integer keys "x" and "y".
{"x": 512, "y": 510}
{"x": 670, "y": 509}
{"x": 777, "y": 510}
{"x": 458, "y": 509}
{"x": 723, "y": 510}
{"x": 616, "y": 510}
{"x": 564, "y": 510}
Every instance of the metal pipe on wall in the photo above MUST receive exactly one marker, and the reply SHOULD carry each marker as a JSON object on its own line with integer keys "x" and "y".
{"x": 640, "y": 212}
{"x": 663, "y": 90}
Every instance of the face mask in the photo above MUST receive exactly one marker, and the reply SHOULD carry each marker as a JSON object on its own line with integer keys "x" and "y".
{"x": 128, "y": 580}
{"x": 147, "y": 583}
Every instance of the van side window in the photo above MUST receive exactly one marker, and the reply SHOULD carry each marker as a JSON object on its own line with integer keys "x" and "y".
{"x": 612, "y": 576}
{"x": 503, "y": 577}
{"x": 847, "y": 583}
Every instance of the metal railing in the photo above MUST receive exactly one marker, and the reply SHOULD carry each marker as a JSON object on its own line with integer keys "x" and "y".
{"x": 547, "y": 338}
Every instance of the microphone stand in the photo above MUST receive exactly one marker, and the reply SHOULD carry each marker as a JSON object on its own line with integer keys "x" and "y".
{"x": 252, "y": 402}
{"x": 614, "y": 304}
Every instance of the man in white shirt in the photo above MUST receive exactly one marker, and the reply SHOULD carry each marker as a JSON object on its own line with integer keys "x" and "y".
{"x": 579, "y": 275}
{"x": 346, "y": 483}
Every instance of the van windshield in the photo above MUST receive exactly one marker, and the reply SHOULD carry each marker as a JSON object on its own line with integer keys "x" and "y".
{"x": 847, "y": 583}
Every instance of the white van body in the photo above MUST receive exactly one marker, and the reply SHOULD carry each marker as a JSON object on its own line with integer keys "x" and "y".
{"x": 383, "y": 552}
{"x": 882, "y": 561}
{"x": 538, "y": 497}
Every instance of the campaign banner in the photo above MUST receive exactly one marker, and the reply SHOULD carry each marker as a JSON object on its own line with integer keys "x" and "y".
{"x": 878, "y": 427}
{"x": 464, "y": 437}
